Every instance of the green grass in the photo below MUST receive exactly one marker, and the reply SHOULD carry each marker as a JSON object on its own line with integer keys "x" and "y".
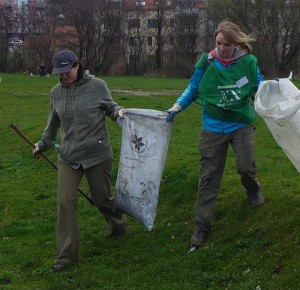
{"x": 248, "y": 246}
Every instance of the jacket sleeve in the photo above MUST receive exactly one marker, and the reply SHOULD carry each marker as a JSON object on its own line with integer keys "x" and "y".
{"x": 259, "y": 78}
{"x": 50, "y": 133}
{"x": 188, "y": 96}
{"x": 110, "y": 107}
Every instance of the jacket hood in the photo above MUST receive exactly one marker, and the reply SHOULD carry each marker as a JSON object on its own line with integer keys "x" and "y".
{"x": 238, "y": 53}
{"x": 86, "y": 77}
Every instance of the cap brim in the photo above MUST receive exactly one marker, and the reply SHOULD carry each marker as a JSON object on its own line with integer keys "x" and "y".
{"x": 61, "y": 70}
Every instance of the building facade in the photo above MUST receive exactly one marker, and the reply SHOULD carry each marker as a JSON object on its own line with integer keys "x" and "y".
{"x": 161, "y": 34}
{"x": 128, "y": 36}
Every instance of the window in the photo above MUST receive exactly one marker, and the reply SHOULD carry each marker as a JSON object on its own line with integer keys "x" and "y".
{"x": 134, "y": 23}
{"x": 150, "y": 41}
{"x": 151, "y": 63}
{"x": 152, "y": 23}
{"x": 134, "y": 41}
{"x": 210, "y": 26}
{"x": 114, "y": 4}
{"x": 134, "y": 59}
{"x": 172, "y": 40}
{"x": 111, "y": 24}
{"x": 140, "y": 3}
{"x": 172, "y": 22}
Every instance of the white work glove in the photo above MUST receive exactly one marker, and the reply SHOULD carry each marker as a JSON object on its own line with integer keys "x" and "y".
{"x": 36, "y": 153}
{"x": 121, "y": 113}
{"x": 173, "y": 112}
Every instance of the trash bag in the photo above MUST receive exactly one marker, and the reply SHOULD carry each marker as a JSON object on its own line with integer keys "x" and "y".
{"x": 278, "y": 103}
{"x": 145, "y": 140}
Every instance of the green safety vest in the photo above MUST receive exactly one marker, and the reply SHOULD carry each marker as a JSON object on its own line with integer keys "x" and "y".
{"x": 225, "y": 94}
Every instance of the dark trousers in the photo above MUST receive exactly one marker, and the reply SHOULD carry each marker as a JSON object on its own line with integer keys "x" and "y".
{"x": 213, "y": 150}
{"x": 98, "y": 177}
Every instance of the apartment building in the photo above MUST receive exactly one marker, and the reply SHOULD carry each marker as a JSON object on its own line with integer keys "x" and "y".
{"x": 12, "y": 8}
{"x": 14, "y": 4}
{"x": 145, "y": 34}
{"x": 159, "y": 33}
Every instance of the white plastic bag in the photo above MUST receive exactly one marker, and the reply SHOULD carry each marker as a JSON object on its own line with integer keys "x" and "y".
{"x": 145, "y": 140}
{"x": 278, "y": 103}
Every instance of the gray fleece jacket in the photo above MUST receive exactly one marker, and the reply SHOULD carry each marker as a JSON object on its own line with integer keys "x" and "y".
{"x": 79, "y": 111}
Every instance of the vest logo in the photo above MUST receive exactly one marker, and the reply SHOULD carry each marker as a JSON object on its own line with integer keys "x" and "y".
{"x": 230, "y": 95}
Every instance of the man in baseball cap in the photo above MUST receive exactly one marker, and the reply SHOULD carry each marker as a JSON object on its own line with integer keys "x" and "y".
{"x": 63, "y": 61}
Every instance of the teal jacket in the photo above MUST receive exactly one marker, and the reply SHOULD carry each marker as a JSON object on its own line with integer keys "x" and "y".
{"x": 192, "y": 92}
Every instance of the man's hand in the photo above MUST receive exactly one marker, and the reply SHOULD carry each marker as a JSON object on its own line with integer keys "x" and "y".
{"x": 173, "y": 112}
{"x": 121, "y": 113}
{"x": 36, "y": 153}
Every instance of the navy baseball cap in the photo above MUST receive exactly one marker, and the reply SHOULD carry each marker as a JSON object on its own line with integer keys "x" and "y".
{"x": 63, "y": 61}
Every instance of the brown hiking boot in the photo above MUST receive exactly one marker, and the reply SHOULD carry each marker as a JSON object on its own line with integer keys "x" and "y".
{"x": 199, "y": 237}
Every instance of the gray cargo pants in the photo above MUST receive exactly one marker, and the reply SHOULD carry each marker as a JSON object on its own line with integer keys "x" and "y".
{"x": 98, "y": 177}
{"x": 213, "y": 150}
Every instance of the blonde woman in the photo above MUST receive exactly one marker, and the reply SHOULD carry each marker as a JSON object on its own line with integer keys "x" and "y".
{"x": 223, "y": 82}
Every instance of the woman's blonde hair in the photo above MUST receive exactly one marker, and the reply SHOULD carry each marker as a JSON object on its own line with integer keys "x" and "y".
{"x": 235, "y": 35}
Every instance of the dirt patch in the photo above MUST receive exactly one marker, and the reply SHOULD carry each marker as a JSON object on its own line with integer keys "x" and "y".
{"x": 146, "y": 93}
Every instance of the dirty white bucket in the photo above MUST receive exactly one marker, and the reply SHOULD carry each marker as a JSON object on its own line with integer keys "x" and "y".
{"x": 145, "y": 140}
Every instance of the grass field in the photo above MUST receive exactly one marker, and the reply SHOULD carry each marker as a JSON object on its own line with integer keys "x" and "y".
{"x": 249, "y": 248}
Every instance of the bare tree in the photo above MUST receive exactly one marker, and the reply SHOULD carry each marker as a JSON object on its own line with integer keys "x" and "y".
{"x": 163, "y": 10}
{"x": 40, "y": 27}
{"x": 98, "y": 30}
{"x": 276, "y": 24}
{"x": 138, "y": 40}
{"x": 6, "y": 24}
{"x": 190, "y": 38}
{"x": 110, "y": 50}
{"x": 134, "y": 39}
